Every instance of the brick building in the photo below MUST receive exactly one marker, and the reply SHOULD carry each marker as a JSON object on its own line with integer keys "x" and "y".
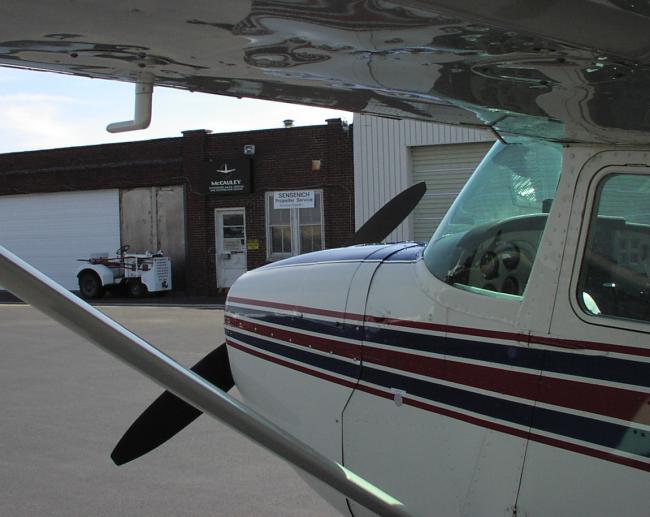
{"x": 177, "y": 194}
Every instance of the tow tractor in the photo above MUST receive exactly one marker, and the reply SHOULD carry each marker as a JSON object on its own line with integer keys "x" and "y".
{"x": 135, "y": 273}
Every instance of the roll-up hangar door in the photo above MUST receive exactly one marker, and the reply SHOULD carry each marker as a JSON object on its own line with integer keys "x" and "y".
{"x": 445, "y": 169}
{"x": 51, "y": 231}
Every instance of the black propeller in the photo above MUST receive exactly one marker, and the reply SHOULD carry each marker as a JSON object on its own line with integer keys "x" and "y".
{"x": 389, "y": 216}
{"x": 168, "y": 414}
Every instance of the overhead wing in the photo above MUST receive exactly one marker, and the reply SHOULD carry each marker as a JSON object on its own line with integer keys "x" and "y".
{"x": 569, "y": 71}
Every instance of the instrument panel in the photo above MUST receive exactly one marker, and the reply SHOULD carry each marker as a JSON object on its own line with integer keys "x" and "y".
{"x": 504, "y": 265}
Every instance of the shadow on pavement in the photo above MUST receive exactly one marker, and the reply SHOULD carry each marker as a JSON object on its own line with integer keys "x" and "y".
{"x": 169, "y": 299}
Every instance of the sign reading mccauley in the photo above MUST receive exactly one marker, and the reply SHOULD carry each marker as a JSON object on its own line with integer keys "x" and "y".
{"x": 229, "y": 176}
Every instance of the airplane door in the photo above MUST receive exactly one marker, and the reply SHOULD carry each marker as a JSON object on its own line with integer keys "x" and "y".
{"x": 433, "y": 419}
{"x": 590, "y": 438}
{"x": 231, "y": 259}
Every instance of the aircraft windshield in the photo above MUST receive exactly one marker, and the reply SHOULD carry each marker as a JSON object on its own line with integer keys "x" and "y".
{"x": 488, "y": 240}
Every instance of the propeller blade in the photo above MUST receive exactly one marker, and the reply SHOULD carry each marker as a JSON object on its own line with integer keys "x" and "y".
{"x": 169, "y": 414}
{"x": 389, "y": 216}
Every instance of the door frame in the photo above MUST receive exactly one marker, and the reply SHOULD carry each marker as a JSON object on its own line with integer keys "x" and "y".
{"x": 218, "y": 242}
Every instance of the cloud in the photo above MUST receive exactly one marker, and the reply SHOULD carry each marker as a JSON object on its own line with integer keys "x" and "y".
{"x": 39, "y": 121}
{"x": 37, "y": 98}
{"x": 48, "y": 111}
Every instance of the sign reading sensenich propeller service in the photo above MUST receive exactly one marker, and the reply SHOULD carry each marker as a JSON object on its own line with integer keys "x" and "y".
{"x": 229, "y": 177}
{"x": 293, "y": 199}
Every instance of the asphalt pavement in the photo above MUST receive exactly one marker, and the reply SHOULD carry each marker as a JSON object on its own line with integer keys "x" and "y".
{"x": 65, "y": 404}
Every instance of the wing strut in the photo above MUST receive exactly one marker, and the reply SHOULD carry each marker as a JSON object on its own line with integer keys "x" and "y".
{"x": 49, "y": 297}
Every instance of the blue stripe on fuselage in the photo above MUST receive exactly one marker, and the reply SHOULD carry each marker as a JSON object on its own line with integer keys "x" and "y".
{"x": 324, "y": 362}
{"x": 598, "y": 367}
{"x": 624, "y": 438}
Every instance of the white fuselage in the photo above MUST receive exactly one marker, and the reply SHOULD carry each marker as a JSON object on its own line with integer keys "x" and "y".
{"x": 455, "y": 402}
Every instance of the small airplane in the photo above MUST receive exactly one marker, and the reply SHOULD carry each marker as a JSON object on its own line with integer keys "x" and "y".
{"x": 503, "y": 368}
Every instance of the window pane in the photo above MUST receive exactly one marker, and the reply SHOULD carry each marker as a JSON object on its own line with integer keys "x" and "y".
{"x": 310, "y": 238}
{"x": 233, "y": 231}
{"x": 311, "y": 215}
{"x": 614, "y": 279}
{"x": 280, "y": 216}
{"x": 311, "y": 226}
{"x": 233, "y": 219}
{"x": 280, "y": 239}
{"x": 488, "y": 240}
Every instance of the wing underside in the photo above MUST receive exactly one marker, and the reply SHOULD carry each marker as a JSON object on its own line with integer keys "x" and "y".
{"x": 544, "y": 69}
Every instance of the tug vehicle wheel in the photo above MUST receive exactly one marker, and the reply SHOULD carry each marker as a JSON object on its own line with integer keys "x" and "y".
{"x": 136, "y": 289}
{"x": 90, "y": 286}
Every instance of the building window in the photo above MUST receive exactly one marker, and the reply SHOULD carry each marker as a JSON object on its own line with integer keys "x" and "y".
{"x": 294, "y": 230}
{"x": 615, "y": 274}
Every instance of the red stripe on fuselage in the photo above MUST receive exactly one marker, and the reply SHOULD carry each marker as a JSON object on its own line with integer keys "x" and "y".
{"x": 624, "y": 404}
{"x": 288, "y": 364}
{"x": 620, "y": 403}
{"x": 554, "y": 442}
{"x": 296, "y": 308}
{"x": 568, "y": 344}
{"x": 295, "y": 338}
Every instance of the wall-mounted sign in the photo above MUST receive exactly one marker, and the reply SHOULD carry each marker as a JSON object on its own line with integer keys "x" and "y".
{"x": 229, "y": 176}
{"x": 293, "y": 199}
{"x": 253, "y": 244}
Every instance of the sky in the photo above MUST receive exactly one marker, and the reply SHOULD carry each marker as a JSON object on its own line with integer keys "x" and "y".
{"x": 40, "y": 110}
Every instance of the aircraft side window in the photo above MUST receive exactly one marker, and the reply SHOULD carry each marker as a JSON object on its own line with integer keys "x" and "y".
{"x": 615, "y": 272}
{"x": 488, "y": 240}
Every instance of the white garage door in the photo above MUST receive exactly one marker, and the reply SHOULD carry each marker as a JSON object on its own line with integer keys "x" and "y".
{"x": 445, "y": 169}
{"x": 51, "y": 231}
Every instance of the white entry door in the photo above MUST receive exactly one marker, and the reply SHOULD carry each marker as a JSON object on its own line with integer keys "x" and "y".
{"x": 230, "y": 226}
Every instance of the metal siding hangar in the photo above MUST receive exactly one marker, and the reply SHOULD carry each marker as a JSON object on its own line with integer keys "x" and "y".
{"x": 390, "y": 155}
